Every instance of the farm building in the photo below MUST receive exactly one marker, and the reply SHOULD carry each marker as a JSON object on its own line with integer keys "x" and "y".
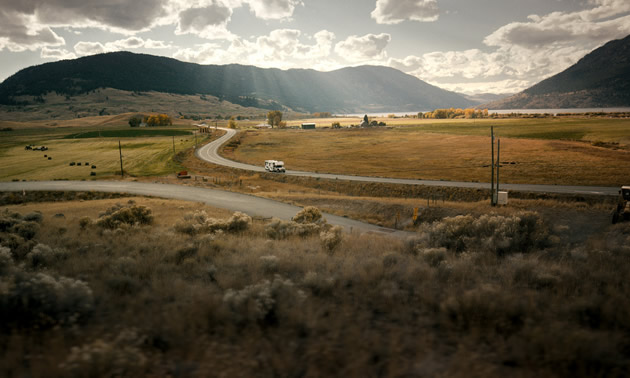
{"x": 308, "y": 126}
{"x": 263, "y": 126}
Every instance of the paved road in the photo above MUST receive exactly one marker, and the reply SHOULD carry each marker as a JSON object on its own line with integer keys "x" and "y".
{"x": 210, "y": 154}
{"x": 254, "y": 206}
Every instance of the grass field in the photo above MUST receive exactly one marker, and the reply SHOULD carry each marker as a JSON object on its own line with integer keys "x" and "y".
{"x": 127, "y": 133}
{"x": 142, "y": 156}
{"x": 532, "y": 151}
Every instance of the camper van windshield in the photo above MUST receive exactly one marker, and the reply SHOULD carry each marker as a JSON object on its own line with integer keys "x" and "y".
{"x": 626, "y": 194}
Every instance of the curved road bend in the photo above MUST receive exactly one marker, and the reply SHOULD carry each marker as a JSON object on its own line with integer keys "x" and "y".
{"x": 210, "y": 153}
{"x": 254, "y": 206}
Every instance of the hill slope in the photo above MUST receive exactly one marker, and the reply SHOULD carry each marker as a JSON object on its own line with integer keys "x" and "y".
{"x": 356, "y": 89}
{"x": 600, "y": 79}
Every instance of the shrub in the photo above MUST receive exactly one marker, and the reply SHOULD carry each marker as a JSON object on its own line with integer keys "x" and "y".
{"x": 35, "y": 216}
{"x": 309, "y": 214}
{"x": 6, "y": 260}
{"x": 120, "y": 357}
{"x": 84, "y": 222}
{"x": 279, "y": 229}
{"x": 331, "y": 238}
{"x": 42, "y": 256}
{"x": 199, "y": 222}
{"x": 134, "y": 215}
{"x": 261, "y": 301}
{"x": 40, "y": 300}
{"x": 519, "y": 233}
{"x": 26, "y": 230}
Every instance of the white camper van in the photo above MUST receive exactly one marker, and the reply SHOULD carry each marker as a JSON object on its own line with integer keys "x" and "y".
{"x": 274, "y": 166}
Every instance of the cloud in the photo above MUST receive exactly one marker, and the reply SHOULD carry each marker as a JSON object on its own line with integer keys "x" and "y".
{"x": 91, "y": 48}
{"x": 281, "y": 48}
{"x": 593, "y": 26}
{"x": 520, "y": 54}
{"x": 397, "y": 11}
{"x": 209, "y": 22}
{"x": 58, "y": 54}
{"x": 369, "y": 47}
{"x": 273, "y": 9}
{"x": 18, "y": 33}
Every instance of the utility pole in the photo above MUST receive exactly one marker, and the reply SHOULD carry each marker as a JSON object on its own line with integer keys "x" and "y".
{"x": 492, "y": 167}
{"x": 173, "y": 146}
{"x": 195, "y": 138}
{"x": 498, "y": 164}
{"x": 121, "y": 164}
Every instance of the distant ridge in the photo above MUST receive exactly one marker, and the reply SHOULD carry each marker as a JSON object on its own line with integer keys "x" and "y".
{"x": 348, "y": 90}
{"x": 599, "y": 80}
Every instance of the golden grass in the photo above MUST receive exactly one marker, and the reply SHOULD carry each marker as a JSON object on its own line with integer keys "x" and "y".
{"x": 417, "y": 154}
{"x": 165, "y": 212}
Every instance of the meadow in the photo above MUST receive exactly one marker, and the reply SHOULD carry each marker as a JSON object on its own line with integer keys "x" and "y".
{"x": 567, "y": 151}
{"x": 146, "y": 151}
{"x": 150, "y": 287}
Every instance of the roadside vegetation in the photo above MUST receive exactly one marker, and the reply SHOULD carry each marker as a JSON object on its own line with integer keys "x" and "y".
{"x": 151, "y": 287}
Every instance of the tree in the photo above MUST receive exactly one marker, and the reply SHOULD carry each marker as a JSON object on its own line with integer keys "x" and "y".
{"x": 366, "y": 119}
{"x": 274, "y": 117}
{"x": 134, "y": 121}
{"x": 232, "y": 123}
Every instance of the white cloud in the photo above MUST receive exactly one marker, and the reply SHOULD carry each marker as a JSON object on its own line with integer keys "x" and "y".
{"x": 91, "y": 48}
{"x": 281, "y": 48}
{"x": 397, "y": 11}
{"x": 208, "y": 22}
{"x": 521, "y": 54}
{"x": 59, "y": 54}
{"x": 273, "y": 9}
{"x": 593, "y": 26}
{"x": 370, "y": 47}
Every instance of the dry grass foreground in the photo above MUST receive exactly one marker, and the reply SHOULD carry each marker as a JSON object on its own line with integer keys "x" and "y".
{"x": 417, "y": 154}
{"x": 174, "y": 291}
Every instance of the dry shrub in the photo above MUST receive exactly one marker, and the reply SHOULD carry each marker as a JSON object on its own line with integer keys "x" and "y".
{"x": 318, "y": 283}
{"x": 116, "y": 217}
{"x": 199, "y": 222}
{"x": 26, "y": 230}
{"x": 40, "y": 300}
{"x": 433, "y": 256}
{"x": 261, "y": 302}
{"x": 500, "y": 234}
{"x": 279, "y": 229}
{"x": 42, "y": 256}
{"x": 85, "y": 222}
{"x": 6, "y": 260}
{"x": 331, "y": 238}
{"x": 309, "y": 214}
{"x": 269, "y": 263}
{"x": 120, "y": 357}
{"x": 485, "y": 307}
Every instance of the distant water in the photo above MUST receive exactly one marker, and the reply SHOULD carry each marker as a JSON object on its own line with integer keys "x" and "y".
{"x": 504, "y": 111}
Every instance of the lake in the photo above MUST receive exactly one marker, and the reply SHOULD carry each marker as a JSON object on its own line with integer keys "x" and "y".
{"x": 504, "y": 111}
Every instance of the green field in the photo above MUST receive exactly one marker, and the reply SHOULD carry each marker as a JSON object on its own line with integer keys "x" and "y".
{"x": 127, "y": 133}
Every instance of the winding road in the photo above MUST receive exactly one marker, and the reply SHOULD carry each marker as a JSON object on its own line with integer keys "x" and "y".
{"x": 254, "y": 206}
{"x": 210, "y": 153}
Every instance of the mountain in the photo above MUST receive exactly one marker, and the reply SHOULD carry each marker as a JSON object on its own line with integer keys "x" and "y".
{"x": 348, "y": 90}
{"x": 600, "y": 79}
{"x": 483, "y": 98}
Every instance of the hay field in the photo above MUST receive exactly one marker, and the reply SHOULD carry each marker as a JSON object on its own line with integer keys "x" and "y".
{"x": 454, "y": 151}
{"x": 141, "y": 157}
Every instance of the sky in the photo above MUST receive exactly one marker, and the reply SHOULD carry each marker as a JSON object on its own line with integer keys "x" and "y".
{"x": 472, "y": 47}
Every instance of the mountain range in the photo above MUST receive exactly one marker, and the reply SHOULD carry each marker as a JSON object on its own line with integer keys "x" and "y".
{"x": 600, "y": 79}
{"x": 347, "y": 90}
